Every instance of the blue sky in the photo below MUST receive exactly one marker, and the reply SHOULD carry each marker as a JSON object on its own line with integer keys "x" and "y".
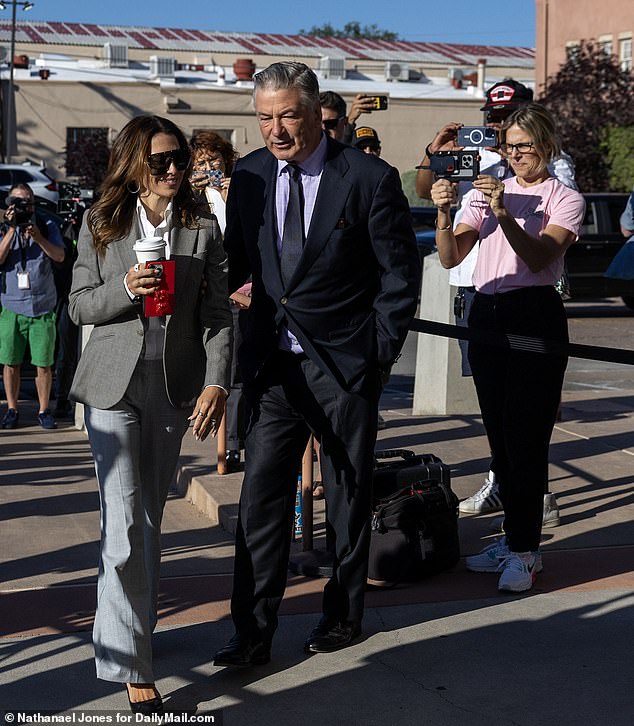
{"x": 458, "y": 21}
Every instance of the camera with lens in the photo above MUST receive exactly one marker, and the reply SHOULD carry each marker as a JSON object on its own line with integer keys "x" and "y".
{"x": 455, "y": 165}
{"x": 23, "y": 210}
{"x": 477, "y": 136}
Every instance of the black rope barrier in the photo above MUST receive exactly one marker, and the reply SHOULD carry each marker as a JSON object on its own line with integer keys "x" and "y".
{"x": 524, "y": 342}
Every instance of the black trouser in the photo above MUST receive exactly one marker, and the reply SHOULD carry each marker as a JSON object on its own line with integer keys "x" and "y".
{"x": 519, "y": 394}
{"x": 293, "y": 398}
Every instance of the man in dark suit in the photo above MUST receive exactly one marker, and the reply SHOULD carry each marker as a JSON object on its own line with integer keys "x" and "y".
{"x": 325, "y": 233}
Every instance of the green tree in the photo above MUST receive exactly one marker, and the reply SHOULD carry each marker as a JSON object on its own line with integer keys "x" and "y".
{"x": 590, "y": 94}
{"x": 352, "y": 29}
{"x": 618, "y": 144}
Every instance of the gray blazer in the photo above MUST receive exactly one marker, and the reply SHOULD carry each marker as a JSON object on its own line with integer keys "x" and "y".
{"x": 198, "y": 337}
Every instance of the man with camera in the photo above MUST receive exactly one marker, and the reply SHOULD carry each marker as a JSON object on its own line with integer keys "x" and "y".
{"x": 28, "y": 247}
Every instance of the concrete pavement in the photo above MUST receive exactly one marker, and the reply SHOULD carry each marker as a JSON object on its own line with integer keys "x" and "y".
{"x": 450, "y": 650}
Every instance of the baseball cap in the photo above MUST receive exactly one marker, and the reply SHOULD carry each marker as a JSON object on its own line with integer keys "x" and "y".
{"x": 365, "y": 135}
{"x": 507, "y": 94}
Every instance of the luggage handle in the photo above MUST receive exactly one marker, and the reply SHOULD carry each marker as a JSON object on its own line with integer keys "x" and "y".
{"x": 394, "y": 454}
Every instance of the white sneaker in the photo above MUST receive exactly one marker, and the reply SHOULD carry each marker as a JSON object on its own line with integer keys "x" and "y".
{"x": 519, "y": 570}
{"x": 489, "y": 559}
{"x": 486, "y": 499}
{"x": 551, "y": 511}
{"x": 551, "y": 515}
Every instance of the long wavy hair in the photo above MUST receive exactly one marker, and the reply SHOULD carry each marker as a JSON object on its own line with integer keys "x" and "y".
{"x": 111, "y": 217}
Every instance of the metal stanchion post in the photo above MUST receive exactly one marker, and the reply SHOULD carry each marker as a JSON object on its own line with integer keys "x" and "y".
{"x": 222, "y": 445}
{"x": 310, "y": 562}
{"x": 307, "y": 496}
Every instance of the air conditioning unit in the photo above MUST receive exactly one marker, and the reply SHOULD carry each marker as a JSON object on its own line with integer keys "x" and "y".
{"x": 332, "y": 68}
{"x": 162, "y": 66}
{"x": 396, "y": 71}
{"x": 115, "y": 56}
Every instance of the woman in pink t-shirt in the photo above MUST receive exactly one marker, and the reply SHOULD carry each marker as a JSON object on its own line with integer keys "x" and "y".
{"x": 524, "y": 226}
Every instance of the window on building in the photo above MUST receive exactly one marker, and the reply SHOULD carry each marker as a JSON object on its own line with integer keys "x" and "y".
{"x": 77, "y": 138}
{"x": 625, "y": 53}
{"x": 572, "y": 49}
{"x": 605, "y": 43}
{"x": 87, "y": 154}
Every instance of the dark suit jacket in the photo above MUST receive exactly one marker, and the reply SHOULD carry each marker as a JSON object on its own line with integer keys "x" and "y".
{"x": 356, "y": 286}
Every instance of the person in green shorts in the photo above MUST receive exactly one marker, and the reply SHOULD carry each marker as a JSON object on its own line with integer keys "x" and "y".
{"x": 28, "y": 248}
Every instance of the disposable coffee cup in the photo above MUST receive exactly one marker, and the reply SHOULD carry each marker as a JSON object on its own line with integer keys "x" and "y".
{"x": 149, "y": 249}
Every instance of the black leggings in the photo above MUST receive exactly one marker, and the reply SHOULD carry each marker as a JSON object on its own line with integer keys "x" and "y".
{"x": 519, "y": 394}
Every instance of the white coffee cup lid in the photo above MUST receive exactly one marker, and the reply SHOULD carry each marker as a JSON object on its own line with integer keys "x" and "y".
{"x": 149, "y": 243}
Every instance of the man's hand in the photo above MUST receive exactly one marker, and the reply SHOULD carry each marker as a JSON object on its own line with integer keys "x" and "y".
{"x": 445, "y": 139}
{"x": 208, "y": 412}
{"x": 360, "y": 104}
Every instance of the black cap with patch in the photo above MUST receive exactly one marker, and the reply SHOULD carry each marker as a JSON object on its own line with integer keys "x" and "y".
{"x": 507, "y": 94}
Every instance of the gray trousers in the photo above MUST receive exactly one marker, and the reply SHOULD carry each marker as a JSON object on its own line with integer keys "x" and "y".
{"x": 136, "y": 445}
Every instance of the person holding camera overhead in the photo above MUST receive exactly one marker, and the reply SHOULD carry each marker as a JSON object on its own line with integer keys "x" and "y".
{"x": 143, "y": 379}
{"x": 28, "y": 248}
{"x": 523, "y": 225}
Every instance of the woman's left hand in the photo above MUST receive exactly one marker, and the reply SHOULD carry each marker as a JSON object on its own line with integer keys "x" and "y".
{"x": 493, "y": 190}
{"x": 208, "y": 412}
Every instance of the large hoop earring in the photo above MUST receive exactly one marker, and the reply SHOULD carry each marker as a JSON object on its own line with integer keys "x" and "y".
{"x": 133, "y": 191}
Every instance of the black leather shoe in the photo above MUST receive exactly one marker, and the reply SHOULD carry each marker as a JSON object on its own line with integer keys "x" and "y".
{"x": 154, "y": 705}
{"x": 327, "y": 637}
{"x": 243, "y": 651}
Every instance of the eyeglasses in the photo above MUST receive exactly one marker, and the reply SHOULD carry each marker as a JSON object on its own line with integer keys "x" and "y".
{"x": 331, "y": 123}
{"x": 523, "y": 148}
{"x": 158, "y": 164}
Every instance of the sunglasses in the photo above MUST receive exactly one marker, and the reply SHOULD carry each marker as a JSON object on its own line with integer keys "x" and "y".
{"x": 331, "y": 123}
{"x": 158, "y": 164}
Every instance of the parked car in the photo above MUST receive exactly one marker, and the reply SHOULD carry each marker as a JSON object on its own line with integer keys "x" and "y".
{"x": 599, "y": 240}
{"x": 44, "y": 187}
{"x": 423, "y": 222}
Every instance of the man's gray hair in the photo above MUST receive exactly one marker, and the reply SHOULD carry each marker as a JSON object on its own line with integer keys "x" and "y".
{"x": 289, "y": 74}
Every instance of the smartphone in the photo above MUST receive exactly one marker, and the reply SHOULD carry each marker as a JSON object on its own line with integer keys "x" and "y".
{"x": 379, "y": 103}
{"x": 478, "y": 136}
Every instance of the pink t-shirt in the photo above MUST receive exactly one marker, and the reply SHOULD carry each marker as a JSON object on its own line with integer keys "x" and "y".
{"x": 499, "y": 269}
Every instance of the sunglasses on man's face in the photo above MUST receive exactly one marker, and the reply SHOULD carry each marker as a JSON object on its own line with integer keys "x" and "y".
{"x": 331, "y": 123}
{"x": 159, "y": 163}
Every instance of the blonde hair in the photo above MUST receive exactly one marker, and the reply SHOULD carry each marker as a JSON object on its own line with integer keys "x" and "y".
{"x": 540, "y": 124}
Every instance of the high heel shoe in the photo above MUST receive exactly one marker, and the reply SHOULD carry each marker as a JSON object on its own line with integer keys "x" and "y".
{"x": 147, "y": 708}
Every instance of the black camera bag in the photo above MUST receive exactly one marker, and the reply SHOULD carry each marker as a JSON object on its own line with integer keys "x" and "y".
{"x": 414, "y": 520}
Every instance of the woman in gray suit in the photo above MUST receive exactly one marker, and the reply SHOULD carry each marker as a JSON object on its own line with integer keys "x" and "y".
{"x": 143, "y": 379}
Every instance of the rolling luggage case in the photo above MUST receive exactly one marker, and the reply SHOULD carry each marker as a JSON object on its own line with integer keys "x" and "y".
{"x": 414, "y": 518}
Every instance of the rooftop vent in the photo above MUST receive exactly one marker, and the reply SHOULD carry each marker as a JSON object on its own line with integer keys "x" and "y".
{"x": 396, "y": 71}
{"x": 115, "y": 56}
{"x": 333, "y": 69}
{"x": 162, "y": 66}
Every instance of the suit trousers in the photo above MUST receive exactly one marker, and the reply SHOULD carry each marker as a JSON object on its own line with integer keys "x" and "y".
{"x": 519, "y": 394}
{"x": 136, "y": 445}
{"x": 292, "y": 398}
